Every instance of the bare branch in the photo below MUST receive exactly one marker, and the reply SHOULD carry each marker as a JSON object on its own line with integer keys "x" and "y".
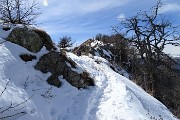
{"x": 13, "y": 109}
{"x": 4, "y": 88}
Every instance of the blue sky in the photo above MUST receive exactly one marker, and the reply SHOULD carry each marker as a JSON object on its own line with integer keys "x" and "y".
{"x": 83, "y": 19}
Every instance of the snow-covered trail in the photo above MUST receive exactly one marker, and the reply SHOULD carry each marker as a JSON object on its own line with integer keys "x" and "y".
{"x": 107, "y": 100}
{"x": 117, "y": 98}
{"x": 86, "y": 102}
{"x": 114, "y": 103}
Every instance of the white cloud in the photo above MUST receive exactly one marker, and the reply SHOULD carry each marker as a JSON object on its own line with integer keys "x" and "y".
{"x": 61, "y": 8}
{"x": 171, "y": 7}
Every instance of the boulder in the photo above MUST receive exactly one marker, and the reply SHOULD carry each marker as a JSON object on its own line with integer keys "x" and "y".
{"x": 58, "y": 64}
{"x": 51, "y": 62}
{"x": 26, "y": 38}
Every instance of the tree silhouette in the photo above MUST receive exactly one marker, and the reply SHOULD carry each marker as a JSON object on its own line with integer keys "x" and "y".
{"x": 19, "y": 11}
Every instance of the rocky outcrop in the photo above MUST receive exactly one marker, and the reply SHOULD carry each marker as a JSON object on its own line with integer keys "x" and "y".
{"x": 31, "y": 39}
{"x": 58, "y": 64}
{"x": 110, "y": 50}
{"x": 26, "y": 38}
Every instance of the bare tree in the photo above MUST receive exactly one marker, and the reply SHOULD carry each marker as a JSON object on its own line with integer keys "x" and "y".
{"x": 150, "y": 32}
{"x": 65, "y": 42}
{"x": 19, "y": 11}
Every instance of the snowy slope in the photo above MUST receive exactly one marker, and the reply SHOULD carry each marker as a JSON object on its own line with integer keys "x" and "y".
{"x": 113, "y": 98}
{"x": 117, "y": 98}
{"x": 13, "y": 95}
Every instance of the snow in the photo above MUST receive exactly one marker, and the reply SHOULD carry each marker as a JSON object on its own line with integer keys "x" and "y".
{"x": 107, "y": 53}
{"x": 95, "y": 43}
{"x": 114, "y": 97}
{"x": 13, "y": 95}
{"x": 4, "y": 34}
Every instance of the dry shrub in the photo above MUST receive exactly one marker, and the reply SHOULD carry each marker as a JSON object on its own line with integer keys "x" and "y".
{"x": 46, "y": 39}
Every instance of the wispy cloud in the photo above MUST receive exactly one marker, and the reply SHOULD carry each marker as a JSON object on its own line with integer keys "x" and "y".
{"x": 170, "y": 7}
{"x": 61, "y": 8}
{"x": 78, "y": 16}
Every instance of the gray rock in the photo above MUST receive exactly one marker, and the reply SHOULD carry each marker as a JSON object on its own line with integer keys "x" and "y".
{"x": 56, "y": 63}
{"x": 26, "y": 38}
{"x": 51, "y": 62}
